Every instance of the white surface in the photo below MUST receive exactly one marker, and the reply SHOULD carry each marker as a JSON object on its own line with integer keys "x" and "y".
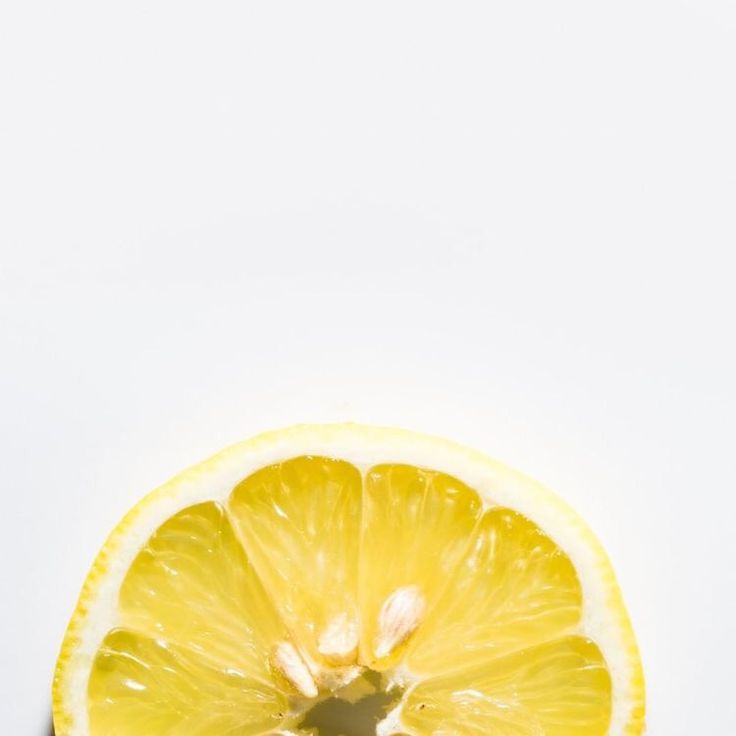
{"x": 506, "y": 223}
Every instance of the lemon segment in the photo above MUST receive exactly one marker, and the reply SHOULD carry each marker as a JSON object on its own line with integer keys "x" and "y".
{"x": 140, "y": 685}
{"x": 514, "y": 588}
{"x": 417, "y": 525}
{"x": 300, "y": 524}
{"x": 192, "y": 585}
{"x": 560, "y": 688}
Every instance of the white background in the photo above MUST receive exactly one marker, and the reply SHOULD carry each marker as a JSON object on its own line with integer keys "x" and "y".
{"x": 506, "y": 223}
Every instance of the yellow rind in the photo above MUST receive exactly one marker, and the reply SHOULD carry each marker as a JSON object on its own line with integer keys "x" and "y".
{"x": 305, "y": 436}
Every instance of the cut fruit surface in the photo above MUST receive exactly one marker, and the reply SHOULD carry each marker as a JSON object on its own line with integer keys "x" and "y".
{"x": 319, "y": 564}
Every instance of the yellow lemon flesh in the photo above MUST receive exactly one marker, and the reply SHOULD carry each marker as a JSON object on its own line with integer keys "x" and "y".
{"x": 233, "y": 600}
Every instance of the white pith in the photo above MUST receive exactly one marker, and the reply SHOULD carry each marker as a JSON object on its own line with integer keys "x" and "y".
{"x": 364, "y": 447}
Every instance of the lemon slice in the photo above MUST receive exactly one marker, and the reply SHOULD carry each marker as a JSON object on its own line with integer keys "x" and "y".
{"x": 322, "y": 563}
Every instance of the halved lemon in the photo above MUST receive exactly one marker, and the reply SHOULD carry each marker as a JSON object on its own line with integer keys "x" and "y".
{"x": 325, "y": 562}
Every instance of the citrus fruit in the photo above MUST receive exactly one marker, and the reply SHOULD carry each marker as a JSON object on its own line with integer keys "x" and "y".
{"x": 324, "y": 563}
